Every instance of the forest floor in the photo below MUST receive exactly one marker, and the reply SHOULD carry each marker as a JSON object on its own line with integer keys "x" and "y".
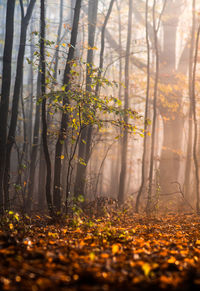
{"x": 118, "y": 252}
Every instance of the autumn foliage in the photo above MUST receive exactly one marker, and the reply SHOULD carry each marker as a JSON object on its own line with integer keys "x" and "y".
{"x": 118, "y": 252}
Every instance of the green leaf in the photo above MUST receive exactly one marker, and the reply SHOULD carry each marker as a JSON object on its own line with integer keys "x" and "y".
{"x": 81, "y": 198}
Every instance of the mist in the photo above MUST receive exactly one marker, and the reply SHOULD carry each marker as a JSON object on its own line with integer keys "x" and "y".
{"x": 112, "y": 114}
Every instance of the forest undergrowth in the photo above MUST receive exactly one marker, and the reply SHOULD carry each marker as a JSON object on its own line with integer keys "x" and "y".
{"x": 117, "y": 252}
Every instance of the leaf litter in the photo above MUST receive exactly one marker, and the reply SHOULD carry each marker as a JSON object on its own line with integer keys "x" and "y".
{"x": 114, "y": 253}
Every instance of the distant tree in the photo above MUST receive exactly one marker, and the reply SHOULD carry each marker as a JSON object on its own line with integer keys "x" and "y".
{"x": 151, "y": 170}
{"x": 146, "y": 117}
{"x": 188, "y": 166}
{"x": 35, "y": 144}
{"x": 124, "y": 144}
{"x": 171, "y": 70}
{"x": 194, "y": 111}
{"x": 58, "y": 40}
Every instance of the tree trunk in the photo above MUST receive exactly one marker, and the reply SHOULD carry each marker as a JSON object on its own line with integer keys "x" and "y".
{"x": 64, "y": 119}
{"x": 195, "y": 156}
{"x": 5, "y": 92}
{"x": 44, "y": 121}
{"x": 85, "y": 139}
{"x": 145, "y": 142}
{"x": 151, "y": 170}
{"x": 58, "y": 40}
{"x": 42, "y": 175}
{"x": 35, "y": 144}
{"x": 188, "y": 168}
{"x": 172, "y": 119}
{"x": 16, "y": 95}
{"x": 170, "y": 157}
{"x": 30, "y": 103}
{"x": 121, "y": 193}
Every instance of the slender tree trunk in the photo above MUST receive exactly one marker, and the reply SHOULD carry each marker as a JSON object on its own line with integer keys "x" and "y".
{"x": 64, "y": 119}
{"x": 151, "y": 170}
{"x": 145, "y": 142}
{"x": 120, "y": 51}
{"x": 120, "y": 93}
{"x": 35, "y": 144}
{"x": 23, "y": 150}
{"x": 195, "y": 157}
{"x": 16, "y": 95}
{"x": 121, "y": 193}
{"x": 58, "y": 40}
{"x": 42, "y": 175}
{"x": 188, "y": 168}
{"x": 30, "y": 107}
{"x": 44, "y": 121}
{"x": 5, "y": 92}
{"x": 85, "y": 139}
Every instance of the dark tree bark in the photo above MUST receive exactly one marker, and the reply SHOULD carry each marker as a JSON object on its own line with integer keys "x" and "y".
{"x": 85, "y": 139}
{"x": 18, "y": 82}
{"x": 124, "y": 145}
{"x": 64, "y": 119}
{"x": 5, "y": 92}
{"x": 42, "y": 175}
{"x": 44, "y": 121}
{"x": 21, "y": 155}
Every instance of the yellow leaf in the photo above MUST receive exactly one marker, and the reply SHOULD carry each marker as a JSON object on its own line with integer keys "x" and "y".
{"x": 62, "y": 157}
{"x": 11, "y": 226}
{"x": 115, "y": 249}
{"x": 92, "y": 256}
{"x": 64, "y": 44}
{"x": 146, "y": 269}
{"x": 198, "y": 242}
